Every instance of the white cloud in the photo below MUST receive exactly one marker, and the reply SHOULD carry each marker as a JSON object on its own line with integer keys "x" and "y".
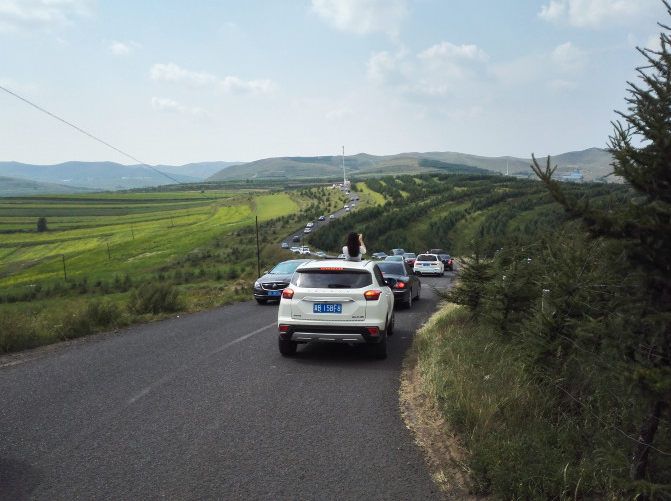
{"x": 362, "y": 16}
{"x": 19, "y": 15}
{"x": 595, "y": 13}
{"x": 436, "y": 71}
{"x": 172, "y": 106}
{"x": 339, "y": 113}
{"x": 122, "y": 48}
{"x": 446, "y": 51}
{"x": 171, "y": 72}
{"x": 567, "y": 57}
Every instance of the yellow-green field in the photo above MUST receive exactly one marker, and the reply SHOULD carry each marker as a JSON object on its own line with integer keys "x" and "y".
{"x": 100, "y": 236}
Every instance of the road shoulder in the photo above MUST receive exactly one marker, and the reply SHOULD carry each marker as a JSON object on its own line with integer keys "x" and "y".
{"x": 443, "y": 451}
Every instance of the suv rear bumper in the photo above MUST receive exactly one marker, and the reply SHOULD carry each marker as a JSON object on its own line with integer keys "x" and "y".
{"x": 332, "y": 334}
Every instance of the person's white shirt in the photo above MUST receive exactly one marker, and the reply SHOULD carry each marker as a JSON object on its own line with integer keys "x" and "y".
{"x": 362, "y": 251}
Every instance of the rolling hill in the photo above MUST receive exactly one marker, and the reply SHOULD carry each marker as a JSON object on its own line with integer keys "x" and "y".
{"x": 14, "y": 187}
{"x": 594, "y": 163}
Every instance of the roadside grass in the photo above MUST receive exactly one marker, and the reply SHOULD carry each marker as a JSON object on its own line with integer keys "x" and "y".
{"x": 521, "y": 444}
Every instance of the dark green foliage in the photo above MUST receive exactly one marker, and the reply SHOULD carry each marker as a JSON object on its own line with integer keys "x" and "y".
{"x": 41, "y": 224}
{"x": 103, "y": 312}
{"x": 154, "y": 298}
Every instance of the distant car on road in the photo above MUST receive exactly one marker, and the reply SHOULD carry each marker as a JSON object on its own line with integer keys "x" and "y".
{"x": 305, "y": 250}
{"x": 394, "y": 258}
{"x": 322, "y": 218}
{"x": 345, "y": 302}
{"x": 405, "y": 285}
{"x": 269, "y": 287}
{"x": 285, "y": 245}
{"x": 346, "y": 209}
{"x": 332, "y": 216}
{"x": 397, "y": 252}
{"x": 296, "y": 238}
{"x": 295, "y": 250}
{"x": 447, "y": 261}
{"x": 310, "y": 224}
{"x": 320, "y": 254}
{"x": 426, "y": 264}
{"x": 379, "y": 255}
{"x": 307, "y": 230}
{"x": 409, "y": 258}
{"x": 346, "y": 206}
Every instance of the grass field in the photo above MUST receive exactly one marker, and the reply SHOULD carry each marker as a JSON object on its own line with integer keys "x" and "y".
{"x": 199, "y": 245}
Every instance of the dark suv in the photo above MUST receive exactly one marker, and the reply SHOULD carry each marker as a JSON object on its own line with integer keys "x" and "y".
{"x": 444, "y": 257}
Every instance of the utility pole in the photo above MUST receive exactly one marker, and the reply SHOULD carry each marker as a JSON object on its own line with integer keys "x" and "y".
{"x": 132, "y": 232}
{"x": 258, "y": 251}
{"x": 344, "y": 176}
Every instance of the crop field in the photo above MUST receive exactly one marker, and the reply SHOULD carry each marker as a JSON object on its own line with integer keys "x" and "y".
{"x": 102, "y": 236}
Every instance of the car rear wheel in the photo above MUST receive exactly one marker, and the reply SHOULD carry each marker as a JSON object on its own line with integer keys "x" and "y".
{"x": 419, "y": 292}
{"x": 391, "y": 326}
{"x": 408, "y": 302}
{"x": 287, "y": 348}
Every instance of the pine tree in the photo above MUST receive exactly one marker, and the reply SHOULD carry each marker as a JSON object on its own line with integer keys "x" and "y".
{"x": 641, "y": 148}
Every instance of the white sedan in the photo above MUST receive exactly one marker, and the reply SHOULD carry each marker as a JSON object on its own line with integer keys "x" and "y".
{"x": 428, "y": 264}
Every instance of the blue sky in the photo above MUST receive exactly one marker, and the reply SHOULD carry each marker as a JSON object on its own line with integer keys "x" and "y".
{"x": 176, "y": 82}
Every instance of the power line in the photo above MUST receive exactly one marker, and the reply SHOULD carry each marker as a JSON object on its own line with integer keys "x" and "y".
{"x": 79, "y": 129}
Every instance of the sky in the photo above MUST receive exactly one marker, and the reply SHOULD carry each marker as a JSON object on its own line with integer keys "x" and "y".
{"x": 174, "y": 82}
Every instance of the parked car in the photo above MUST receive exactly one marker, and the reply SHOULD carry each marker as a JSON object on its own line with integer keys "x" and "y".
{"x": 332, "y": 216}
{"x": 404, "y": 284}
{"x": 346, "y": 302}
{"x": 320, "y": 254}
{"x": 436, "y": 251}
{"x": 379, "y": 255}
{"x": 409, "y": 258}
{"x": 296, "y": 238}
{"x": 269, "y": 287}
{"x": 322, "y": 218}
{"x": 346, "y": 209}
{"x": 447, "y": 261}
{"x": 394, "y": 258}
{"x": 307, "y": 230}
{"x": 426, "y": 264}
{"x": 397, "y": 252}
{"x": 285, "y": 245}
{"x": 295, "y": 250}
{"x": 310, "y": 224}
{"x": 346, "y": 206}
{"x": 305, "y": 250}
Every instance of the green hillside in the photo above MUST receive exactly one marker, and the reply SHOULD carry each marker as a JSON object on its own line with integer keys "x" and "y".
{"x": 594, "y": 163}
{"x": 14, "y": 187}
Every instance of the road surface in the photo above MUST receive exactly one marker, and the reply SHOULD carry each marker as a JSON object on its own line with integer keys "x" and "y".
{"x": 204, "y": 407}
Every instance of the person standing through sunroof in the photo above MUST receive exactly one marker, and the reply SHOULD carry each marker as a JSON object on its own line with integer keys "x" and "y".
{"x": 355, "y": 247}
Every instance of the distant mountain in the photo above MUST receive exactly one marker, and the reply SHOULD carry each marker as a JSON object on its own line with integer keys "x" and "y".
{"x": 13, "y": 187}
{"x": 200, "y": 170}
{"x": 593, "y": 162}
{"x": 95, "y": 175}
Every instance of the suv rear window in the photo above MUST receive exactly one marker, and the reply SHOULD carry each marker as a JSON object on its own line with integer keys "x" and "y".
{"x": 331, "y": 279}
{"x": 426, "y": 257}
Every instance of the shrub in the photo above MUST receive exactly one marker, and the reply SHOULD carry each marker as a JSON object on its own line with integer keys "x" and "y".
{"x": 154, "y": 298}
{"x": 103, "y": 312}
{"x": 17, "y": 333}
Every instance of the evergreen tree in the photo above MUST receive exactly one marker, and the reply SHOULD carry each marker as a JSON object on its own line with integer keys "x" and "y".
{"x": 641, "y": 147}
{"x": 41, "y": 224}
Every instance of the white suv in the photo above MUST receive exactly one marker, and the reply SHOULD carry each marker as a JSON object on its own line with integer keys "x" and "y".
{"x": 336, "y": 301}
{"x": 428, "y": 263}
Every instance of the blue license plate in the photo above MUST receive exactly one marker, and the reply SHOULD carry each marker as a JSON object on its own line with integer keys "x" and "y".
{"x": 426, "y": 264}
{"x": 274, "y": 293}
{"x": 327, "y": 308}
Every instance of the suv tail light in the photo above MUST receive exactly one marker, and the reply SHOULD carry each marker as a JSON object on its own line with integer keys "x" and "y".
{"x": 288, "y": 293}
{"x": 373, "y": 331}
{"x": 399, "y": 285}
{"x": 372, "y": 295}
{"x": 283, "y": 328}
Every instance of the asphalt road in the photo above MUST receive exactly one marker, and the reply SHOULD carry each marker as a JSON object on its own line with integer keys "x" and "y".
{"x": 204, "y": 407}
